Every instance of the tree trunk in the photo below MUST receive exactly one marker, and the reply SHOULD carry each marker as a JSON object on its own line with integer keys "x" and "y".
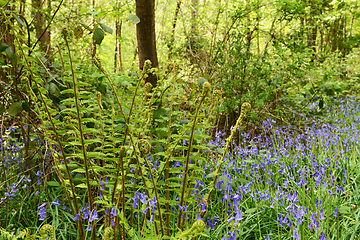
{"x": 40, "y": 24}
{"x": 7, "y": 37}
{"x": 172, "y": 36}
{"x": 118, "y": 58}
{"x": 145, "y": 33}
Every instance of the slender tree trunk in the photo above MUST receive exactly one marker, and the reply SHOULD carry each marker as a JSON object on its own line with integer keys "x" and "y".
{"x": 193, "y": 32}
{"x": 312, "y": 27}
{"x": 194, "y": 4}
{"x": 172, "y": 36}
{"x": 94, "y": 24}
{"x": 40, "y": 24}
{"x": 118, "y": 64}
{"x": 145, "y": 33}
{"x": 7, "y": 37}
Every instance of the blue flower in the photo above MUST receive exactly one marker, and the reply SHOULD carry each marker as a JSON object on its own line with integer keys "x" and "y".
{"x": 94, "y": 216}
{"x": 42, "y": 205}
{"x": 322, "y": 236}
{"x": 42, "y": 212}
{"x": 86, "y": 214}
{"x": 113, "y": 211}
{"x": 102, "y": 185}
{"x": 296, "y": 234}
{"x": 56, "y": 202}
{"x": 335, "y": 212}
{"x": 237, "y": 217}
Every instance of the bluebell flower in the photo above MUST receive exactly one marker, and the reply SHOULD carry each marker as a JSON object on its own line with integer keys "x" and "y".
{"x": 42, "y": 205}
{"x": 335, "y": 212}
{"x": 237, "y": 218}
{"x": 94, "y": 216}
{"x": 102, "y": 185}
{"x": 296, "y": 234}
{"x": 113, "y": 211}
{"x": 42, "y": 214}
{"x": 322, "y": 236}
{"x": 56, "y": 202}
{"x": 89, "y": 227}
{"x": 86, "y": 214}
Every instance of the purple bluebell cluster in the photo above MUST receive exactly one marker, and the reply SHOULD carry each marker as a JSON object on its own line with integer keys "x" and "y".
{"x": 288, "y": 181}
{"x": 298, "y": 174}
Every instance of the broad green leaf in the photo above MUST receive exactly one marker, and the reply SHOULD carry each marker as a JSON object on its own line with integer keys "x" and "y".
{"x": 53, "y": 183}
{"x": 98, "y": 35}
{"x": 18, "y": 19}
{"x": 105, "y": 28}
{"x": 201, "y": 82}
{"x": 53, "y": 89}
{"x": 3, "y": 47}
{"x": 79, "y": 170}
{"x": 133, "y": 18}
{"x": 101, "y": 88}
{"x": 82, "y": 185}
{"x": 250, "y": 210}
{"x": 9, "y": 52}
{"x": 25, "y": 106}
{"x": 14, "y": 108}
{"x": 2, "y": 109}
{"x": 84, "y": 10}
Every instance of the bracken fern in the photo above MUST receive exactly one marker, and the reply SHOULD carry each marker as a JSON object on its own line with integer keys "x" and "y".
{"x": 135, "y": 152}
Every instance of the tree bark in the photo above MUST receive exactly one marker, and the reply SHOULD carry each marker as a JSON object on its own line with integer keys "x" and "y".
{"x": 7, "y": 37}
{"x": 172, "y": 36}
{"x": 40, "y": 24}
{"x": 118, "y": 56}
{"x": 145, "y": 33}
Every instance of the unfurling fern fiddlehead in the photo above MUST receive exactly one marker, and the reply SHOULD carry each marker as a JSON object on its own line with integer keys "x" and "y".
{"x": 47, "y": 232}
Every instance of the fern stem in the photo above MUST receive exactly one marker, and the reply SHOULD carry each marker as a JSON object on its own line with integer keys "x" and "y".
{"x": 90, "y": 200}
{"x": 187, "y": 163}
{"x": 76, "y": 210}
{"x": 245, "y": 109}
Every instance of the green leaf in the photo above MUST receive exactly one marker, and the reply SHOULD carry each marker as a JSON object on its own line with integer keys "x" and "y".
{"x": 53, "y": 183}
{"x": 53, "y": 89}
{"x": 250, "y": 210}
{"x": 201, "y": 82}
{"x": 220, "y": 150}
{"x": 84, "y": 10}
{"x": 14, "y": 108}
{"x": 9, "y": 52}
{"x": 18, "y": 19}
{"x": 25, "y": 106}
{"x": 161, "y": 112}
{"x": 98, "y": 35}
{"x": 105, "y": 28}
{"x": 133, "y": 18}
{"x": 3, "y": 47}
{"x": 82, "y": 185}
{"x": 2, "y": 109}
{"x": 101, "y": 88}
